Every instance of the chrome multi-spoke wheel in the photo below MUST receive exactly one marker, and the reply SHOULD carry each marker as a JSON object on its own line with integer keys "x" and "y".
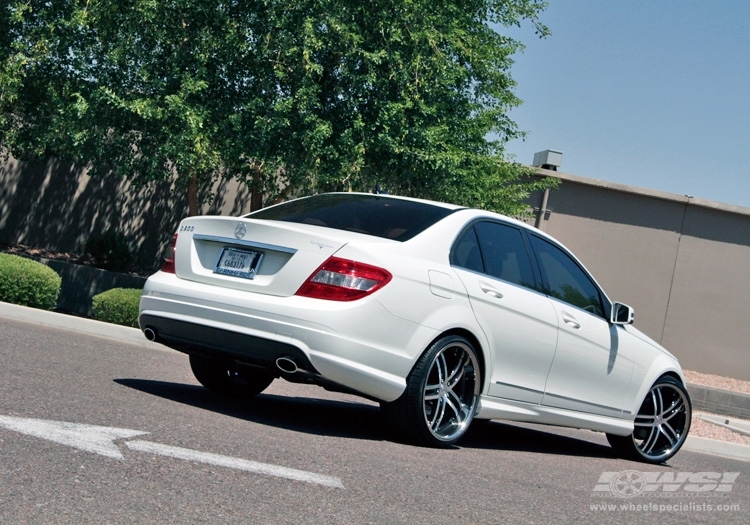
{"x": 441, "y": 395}
{"x": 451, "y": 391}
{"x": 661, "y": 425}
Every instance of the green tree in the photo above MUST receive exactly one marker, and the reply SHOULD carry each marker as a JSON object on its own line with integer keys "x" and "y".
{"x": 292, "y": 97}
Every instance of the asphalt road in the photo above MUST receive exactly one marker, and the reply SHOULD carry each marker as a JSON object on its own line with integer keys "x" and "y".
{"x": 230, "y": 460}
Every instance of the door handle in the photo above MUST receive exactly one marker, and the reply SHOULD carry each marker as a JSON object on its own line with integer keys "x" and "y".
{"x": 571, "y": 322}
{"x": 491, "y": 292}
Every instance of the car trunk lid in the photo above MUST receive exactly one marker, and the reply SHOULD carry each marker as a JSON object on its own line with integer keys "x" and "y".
{"x": 269, "y": 257}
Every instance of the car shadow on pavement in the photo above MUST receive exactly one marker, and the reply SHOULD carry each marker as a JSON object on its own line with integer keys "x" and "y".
{"x": 520, "y": 438}
{"x": 337, "y": 418}
{"x": 303, "y": 414}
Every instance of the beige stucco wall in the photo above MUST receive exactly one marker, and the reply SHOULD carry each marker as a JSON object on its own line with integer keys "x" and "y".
{"x": 710, "y": 304}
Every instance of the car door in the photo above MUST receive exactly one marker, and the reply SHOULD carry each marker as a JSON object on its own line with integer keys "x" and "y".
{"x": 493, "y": 262}
{"x": 591, "y": 371}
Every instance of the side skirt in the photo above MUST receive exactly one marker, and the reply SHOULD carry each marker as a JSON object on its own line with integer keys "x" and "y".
{"x": 495, "y": 408}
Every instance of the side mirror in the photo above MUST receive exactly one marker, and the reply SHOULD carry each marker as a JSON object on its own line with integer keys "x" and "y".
{"x": 622, "y": 314}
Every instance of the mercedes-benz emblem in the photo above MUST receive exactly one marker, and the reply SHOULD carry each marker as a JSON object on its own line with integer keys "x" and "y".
{"x": 240, "y": 230}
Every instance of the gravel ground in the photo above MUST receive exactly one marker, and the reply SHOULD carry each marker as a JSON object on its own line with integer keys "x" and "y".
{"x": 701, "y": 428}
{"x": 705, "y": 429}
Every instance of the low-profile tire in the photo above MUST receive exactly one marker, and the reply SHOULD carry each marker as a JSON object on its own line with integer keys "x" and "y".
{"x": 441, "y": 396}
{"x": 661, "y": 425}
{"x": 228, "y": 379}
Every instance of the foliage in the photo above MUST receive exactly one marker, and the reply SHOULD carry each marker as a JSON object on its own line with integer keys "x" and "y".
{"x": 117, "y": 306}
{"x": 109, "y": 251}
{"x": 292, "y": 97}
{"x": 28, "y": 283}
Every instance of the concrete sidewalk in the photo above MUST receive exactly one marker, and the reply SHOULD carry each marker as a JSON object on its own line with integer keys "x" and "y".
{"x": 135, "y": 336}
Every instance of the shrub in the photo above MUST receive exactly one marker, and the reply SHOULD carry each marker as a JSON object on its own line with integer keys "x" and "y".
{"x": 118, "y": 306}
{"x": 28, "y": 283}
{"x": 109, "y": 251}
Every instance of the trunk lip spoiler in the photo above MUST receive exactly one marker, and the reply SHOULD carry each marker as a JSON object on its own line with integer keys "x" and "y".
{"x": 240, "y": 242}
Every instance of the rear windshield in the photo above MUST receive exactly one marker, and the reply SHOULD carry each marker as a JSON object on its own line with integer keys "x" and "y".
{"x": 376, "y": 215}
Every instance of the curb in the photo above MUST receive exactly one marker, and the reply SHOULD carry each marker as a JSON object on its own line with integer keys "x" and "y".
{"x": 740, "y": 426}
{"x": 717, "y": 448}
{"x": 77, "y": 324}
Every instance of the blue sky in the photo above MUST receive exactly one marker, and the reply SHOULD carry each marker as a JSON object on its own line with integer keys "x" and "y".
{"x": 654, "y": 94}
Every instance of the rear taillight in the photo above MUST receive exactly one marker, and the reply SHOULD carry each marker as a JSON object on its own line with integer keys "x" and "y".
{"x": 168, "y": 265}
{"x": 344, "y": 280}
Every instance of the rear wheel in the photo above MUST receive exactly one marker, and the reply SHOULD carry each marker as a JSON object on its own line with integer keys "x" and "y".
{"x": 441, "y": 395}
{"x": 226, "y": 378}
{"x": 661, "y": 425}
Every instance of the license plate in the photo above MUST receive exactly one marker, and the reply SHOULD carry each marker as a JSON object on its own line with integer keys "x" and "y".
{"x": 238, "y": 263}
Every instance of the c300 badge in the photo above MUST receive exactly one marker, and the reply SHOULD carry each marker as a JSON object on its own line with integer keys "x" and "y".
{"x": 240, "y": 231}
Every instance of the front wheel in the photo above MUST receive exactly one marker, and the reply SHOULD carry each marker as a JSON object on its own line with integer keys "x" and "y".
{"x": 229, "y": 379}
{"x": 441, "y": 395}
{"x": 661, "y": 425}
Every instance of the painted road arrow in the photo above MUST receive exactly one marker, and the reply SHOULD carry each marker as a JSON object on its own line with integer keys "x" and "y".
{"x": 101, "y": 440}
{"x": 90, "y": 438}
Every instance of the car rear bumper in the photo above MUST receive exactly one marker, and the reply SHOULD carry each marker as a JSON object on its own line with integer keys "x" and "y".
{"x": 258, "y": 330}
{"x": 210, "y": 341}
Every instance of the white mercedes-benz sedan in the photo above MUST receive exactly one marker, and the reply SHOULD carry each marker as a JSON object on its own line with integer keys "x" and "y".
{"x": 442, "y": 314}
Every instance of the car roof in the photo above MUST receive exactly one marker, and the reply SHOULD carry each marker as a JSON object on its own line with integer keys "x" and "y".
{"x": 462, "y": 210}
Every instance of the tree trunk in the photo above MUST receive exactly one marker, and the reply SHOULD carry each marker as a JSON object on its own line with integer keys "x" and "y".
{"x": 256, "y": 194}
{"x": 193, "y": 208}
{"x": 256, "y": 201}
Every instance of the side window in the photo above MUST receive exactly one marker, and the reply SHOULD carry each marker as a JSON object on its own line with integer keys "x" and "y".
{"x": 566, "y": 280}
{"x": 466, "y": 254}
{"x": 494, "y": 249}
{"x": 504, "y": 253}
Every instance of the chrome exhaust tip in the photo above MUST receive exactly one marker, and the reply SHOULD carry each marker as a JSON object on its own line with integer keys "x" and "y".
{"x": 150, "y": 333}
{"x": 286, "y": 365}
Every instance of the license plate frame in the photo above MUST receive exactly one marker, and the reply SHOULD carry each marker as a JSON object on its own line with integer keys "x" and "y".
{"x": 238, "y": 263}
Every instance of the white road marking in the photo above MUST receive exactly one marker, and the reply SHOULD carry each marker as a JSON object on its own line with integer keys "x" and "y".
{"x": 100, "y": 440}
{"x": 235, "y": 463}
